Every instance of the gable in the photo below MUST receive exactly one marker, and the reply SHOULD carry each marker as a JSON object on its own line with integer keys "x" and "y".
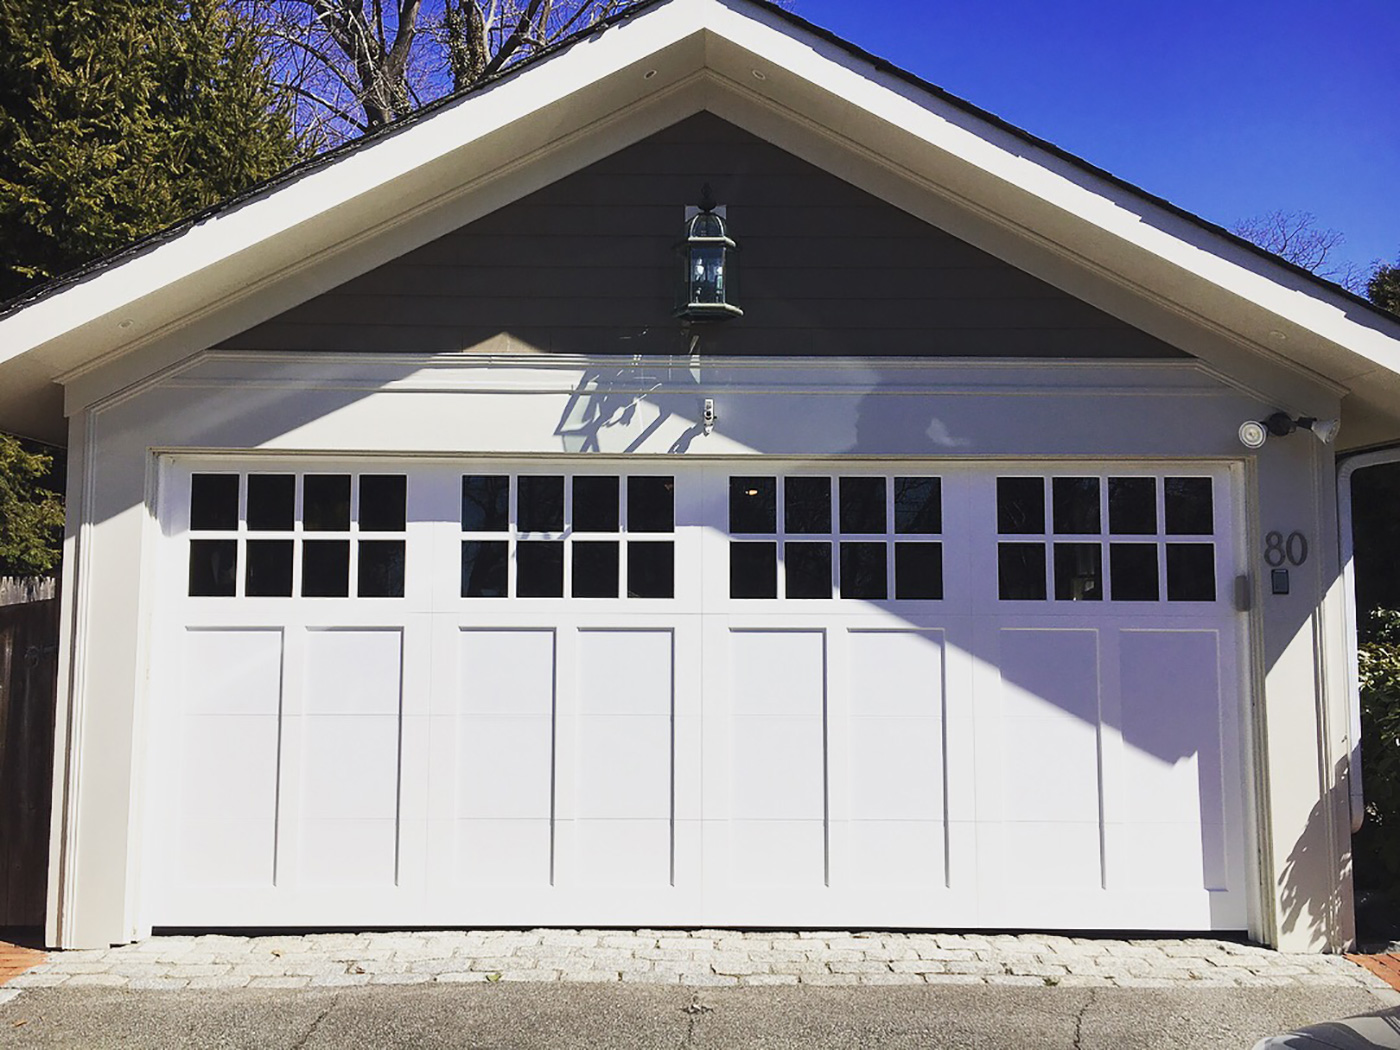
{"x": 588, "y": 265}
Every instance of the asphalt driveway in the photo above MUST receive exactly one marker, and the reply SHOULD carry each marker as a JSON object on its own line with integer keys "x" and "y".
{"x": 502, "y": 1016}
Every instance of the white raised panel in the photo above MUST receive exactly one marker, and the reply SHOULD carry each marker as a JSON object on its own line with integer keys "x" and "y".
{"x": 505, "y": 732}
{"x": 624, "y": 766}
{"x": 1171, "y": 705}
{"x": 1048, "y": 749}
{"x": 778, "y": 757}
{"x": 236, "y": 672}
{"x": 349, "y": 800}
{"x": 230, "y": 699}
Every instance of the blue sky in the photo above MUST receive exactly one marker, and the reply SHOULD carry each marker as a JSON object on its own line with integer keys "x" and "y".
{"x": 1229, "y": 108}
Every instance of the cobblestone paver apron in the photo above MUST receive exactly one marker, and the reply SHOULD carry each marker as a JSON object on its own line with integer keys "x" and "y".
{"x": 686, "y": 957}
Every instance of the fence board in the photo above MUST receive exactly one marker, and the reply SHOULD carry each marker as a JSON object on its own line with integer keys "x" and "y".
{"x": 28, "y": 690}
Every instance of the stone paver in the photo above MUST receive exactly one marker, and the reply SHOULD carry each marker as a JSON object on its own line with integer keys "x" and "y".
{"x": 699, "y": 958}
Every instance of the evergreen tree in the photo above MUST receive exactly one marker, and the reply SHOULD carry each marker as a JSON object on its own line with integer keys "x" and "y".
{"x": 31, "y": 516}
{"x": 120, "y": 117}
{"x": 1383, "y": 288}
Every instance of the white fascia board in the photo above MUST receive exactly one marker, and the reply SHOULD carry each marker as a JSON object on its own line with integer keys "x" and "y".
{"x": 287, "y": 209}
{"x": 1010, "y": 159}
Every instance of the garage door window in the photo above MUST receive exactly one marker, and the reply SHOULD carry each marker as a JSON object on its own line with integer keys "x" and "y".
{"x": 252, "y": 536}
{"x": 867, "y": 529}
{"x": 1158, "y": 530}
{"x": 548, "y": 536}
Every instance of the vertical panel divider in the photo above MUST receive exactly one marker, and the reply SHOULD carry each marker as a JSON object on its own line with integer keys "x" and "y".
{"x": 1112, "y": 767}
{"x": 289, "y": 757}
{"x": 433, "y": 577}
{"x": 565, "y": 736}
{"x": 837, "y": 702}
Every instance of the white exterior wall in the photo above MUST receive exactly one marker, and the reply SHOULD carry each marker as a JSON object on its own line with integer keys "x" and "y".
{"x": 457, "y": 405}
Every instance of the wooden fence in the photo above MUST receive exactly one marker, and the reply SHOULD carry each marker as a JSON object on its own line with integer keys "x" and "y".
{"x": 19, "y": 590}
{"x": 28, "y": 690}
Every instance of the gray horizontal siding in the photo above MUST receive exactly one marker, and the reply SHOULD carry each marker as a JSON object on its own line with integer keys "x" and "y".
{"x": 588, "y": 265}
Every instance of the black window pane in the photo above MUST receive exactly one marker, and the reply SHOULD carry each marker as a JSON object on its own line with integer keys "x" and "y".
{"x": 651, "y": 570}
{"x": 539, "y": 570}
{"x": 918, "y": 505}
{"x": 1190, "y": 572}
{"x": 381, "y": 568}
{"x": 214, "y": 501}
{"x": 325, "y": 569}
{"x": 1021, "y": 572}
{"x": 484, "y": 568}
{"x": 1076, "y": 505}
{"x": 269, "y": 569}
{"x": 272, "y": 503}
{"x": 862, "y": 506}
{"x": 485, "y": 504}
{"x": 1188, "y": 507}
{"x": 807, "y": 506}
{"x": 595, "y": 504}
{"x": 1132, "y": 572}
{"x": 651, "y": 504}
{"x": 863, "y": 570}
{"x": 1020, "y": 506}
{"x": 326, "y": 502}
{"x": 383, "y": 502}
{"x": 541, "y": 503}
{"x": 595, "y": 569}
{"x": 808, "y": 569}
{"x": 1132, "y": 506}
{"x": 753, "y": 505}
{"x": 753, "y": 570}
{"x": 213, "y": 568}
{"x": 1078, "y": 572}
{"x": 918, "y": 570}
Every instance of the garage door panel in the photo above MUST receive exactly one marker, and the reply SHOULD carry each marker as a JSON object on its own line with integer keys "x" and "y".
{"x": 624, "y": 853}
{"x": 503, "y": 852}
{"x": 928, "y": 752}
{"x": 877, "y": 852}
{"x": 777, "y": 853}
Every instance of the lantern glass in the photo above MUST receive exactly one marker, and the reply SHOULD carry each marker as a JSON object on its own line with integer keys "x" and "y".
{"x": 707, "y": 273}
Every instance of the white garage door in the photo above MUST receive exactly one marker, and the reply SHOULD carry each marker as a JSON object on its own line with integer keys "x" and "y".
{"x": 814, "y": 694}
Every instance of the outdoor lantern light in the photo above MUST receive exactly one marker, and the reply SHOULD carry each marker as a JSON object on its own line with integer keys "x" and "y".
{"x": 708, "y": 256}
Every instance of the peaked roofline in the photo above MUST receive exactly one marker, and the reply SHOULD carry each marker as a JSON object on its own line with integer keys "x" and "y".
{"x": 331, "y": 156}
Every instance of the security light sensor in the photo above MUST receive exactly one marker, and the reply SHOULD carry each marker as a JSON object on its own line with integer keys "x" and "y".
{"x": 1253, "y": 434}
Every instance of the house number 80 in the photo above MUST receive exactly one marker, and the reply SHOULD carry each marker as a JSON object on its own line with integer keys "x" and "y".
{"x": 1293, "y": 550}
